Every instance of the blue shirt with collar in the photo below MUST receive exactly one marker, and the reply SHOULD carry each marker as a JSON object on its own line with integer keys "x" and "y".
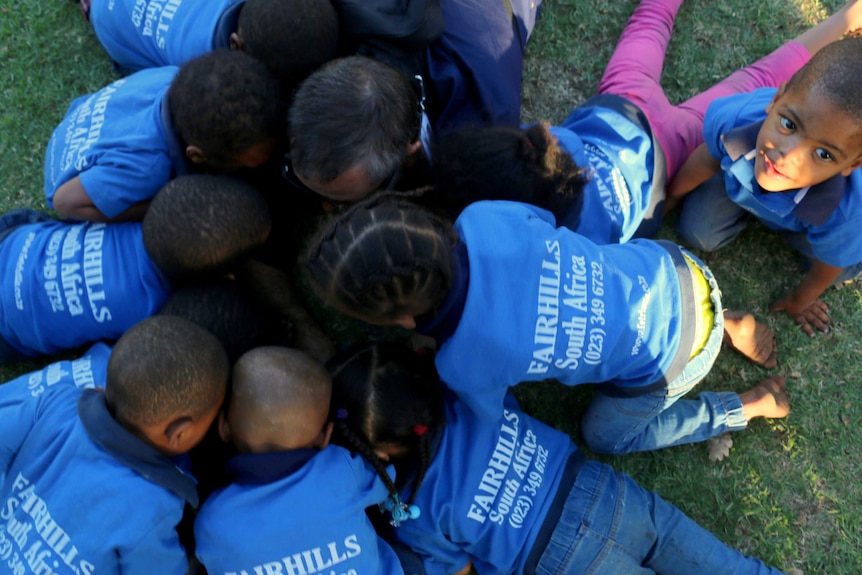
{"x": 119, "y": 141}
{"x": 81, "y": 494}
{"x": 555, "y": 305}
{"x": 140, "y": 34}
{"x": 317, "y": 497}
{"x": 66, "y": 284}
{"x": 830, "y": 213}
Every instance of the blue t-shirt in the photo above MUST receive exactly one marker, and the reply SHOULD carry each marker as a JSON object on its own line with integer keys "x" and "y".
{"x": 69, "y": 506}
{"x": 68, "y": 284}
{"x": 295, "y": 512}
{"x": 553, "y": 304}
{"x": 118, "y": 141}
{"x": 140, "y": 34}
{"x": 487, "y": 492}
{"x": 619, "y": 159}
{"x": 830, "y": 213}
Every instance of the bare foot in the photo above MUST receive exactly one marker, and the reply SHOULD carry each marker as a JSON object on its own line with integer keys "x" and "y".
{"x": 766, "y": 399}
{"x": 750, "y": 338}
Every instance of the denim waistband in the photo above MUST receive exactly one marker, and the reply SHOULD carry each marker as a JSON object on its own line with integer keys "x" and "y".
{"x": 570, "y": 473}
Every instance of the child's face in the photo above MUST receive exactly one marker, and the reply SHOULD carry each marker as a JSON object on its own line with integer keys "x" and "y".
{"x": 805, "y": 140}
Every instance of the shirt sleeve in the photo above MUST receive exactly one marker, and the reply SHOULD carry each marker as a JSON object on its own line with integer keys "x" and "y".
{"x": 122, "y": 178}
{"x": 19, "y": 407}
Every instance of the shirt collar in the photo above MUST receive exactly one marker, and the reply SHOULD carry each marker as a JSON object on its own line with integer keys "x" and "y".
{"x": 227, "y": 24}
{"x": 445, "y": 320}
{"x": 817, "y": 205}
{"x": 263, "y": 468}
{"x": 129, "y": 450}
{"x": 176, "y": 150}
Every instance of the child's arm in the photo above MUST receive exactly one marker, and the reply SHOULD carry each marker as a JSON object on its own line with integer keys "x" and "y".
{"x": 698, "y": 168}
{"x": 466, "y": 570}
{"x": 803, "y": 305}
{"x": 72, "y": 201}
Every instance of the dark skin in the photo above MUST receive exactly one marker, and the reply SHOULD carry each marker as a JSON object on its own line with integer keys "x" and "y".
{"x": 72, "y": 201}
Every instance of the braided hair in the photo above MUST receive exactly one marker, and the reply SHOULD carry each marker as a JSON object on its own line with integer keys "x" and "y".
{"x": 383, "y": 258}
{"x": 387, "y": 394}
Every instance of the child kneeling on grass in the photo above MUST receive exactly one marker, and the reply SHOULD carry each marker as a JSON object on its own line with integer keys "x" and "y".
{"x": 509, "y": 297}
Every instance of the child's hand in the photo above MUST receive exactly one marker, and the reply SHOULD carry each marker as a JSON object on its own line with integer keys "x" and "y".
{"x": 816, "y": 315}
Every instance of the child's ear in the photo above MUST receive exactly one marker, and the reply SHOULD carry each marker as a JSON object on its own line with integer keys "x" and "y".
{"x": 236, "y": 42}
{"x": 177, "y": 434}
{"x": 196, "y": 154}
{"x": 224, "y": 428}
{"x": 327, "y": 435}
{"x": 856, "y": 163}
{"x": 780, "y": 92}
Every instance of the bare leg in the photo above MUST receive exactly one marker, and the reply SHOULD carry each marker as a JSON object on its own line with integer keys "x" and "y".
{"x": 766, "y": 399}
{"x": 751, "y": 338}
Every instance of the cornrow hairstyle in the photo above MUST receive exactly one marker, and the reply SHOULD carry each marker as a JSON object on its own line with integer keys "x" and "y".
{"x": 204, "y": 223}
{"x": 503, "y": 163}
{"x": 225, "y": 102}
{"x": 835, "y": 73}
{"x": 387, "y": 393}
{"x": 384, "y": 257}
{"x": 352, "y": 112}
{"x": 162, "y": 368}
{"x": 292, "y": 37}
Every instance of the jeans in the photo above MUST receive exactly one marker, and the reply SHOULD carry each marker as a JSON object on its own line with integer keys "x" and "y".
{"x": 709, "y": 220}
{"x": 611, "y": 525}
{"x": 660, "y": 418}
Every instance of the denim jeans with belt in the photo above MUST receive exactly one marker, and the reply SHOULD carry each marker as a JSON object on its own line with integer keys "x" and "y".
{"x": 660, "y": 418}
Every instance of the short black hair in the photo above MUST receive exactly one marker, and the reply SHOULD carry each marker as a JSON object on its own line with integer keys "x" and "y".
{"x": 292, "y": 37}
{"x": 229, "y": 312}
{"x": 204, "y": 223}
{"x": 224, "y": 102}
{"x": 835, "y": 72}
{"x": 352, "y": 112}
{"x": 165, "y": 367}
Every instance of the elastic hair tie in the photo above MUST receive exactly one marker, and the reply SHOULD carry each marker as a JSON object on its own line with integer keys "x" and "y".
{"x": 341, "y": 413}
{"x": 420, "y": 430}
{"x": 399, "y": 510}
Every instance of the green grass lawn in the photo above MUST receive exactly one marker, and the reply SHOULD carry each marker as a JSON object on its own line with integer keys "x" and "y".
{"x": 790, "y": 492}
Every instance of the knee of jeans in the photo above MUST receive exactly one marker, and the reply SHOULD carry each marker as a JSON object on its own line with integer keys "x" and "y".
{"x": 693, "y": 237}
{"x": 599, "y": 442}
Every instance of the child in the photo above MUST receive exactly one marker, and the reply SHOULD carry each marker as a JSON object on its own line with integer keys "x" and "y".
{"x": 295, "y": 505}
{"x": 89, "y": 451}
{"x": 644, "y": 318}
{"x": 292, "y": 37}
{"x": 789, "y": 157}
{"x": 622, "y": 145}
{"x": 67, "y": 284}
{"x": 117, "y": 147}
{"x": 512, "y": 495}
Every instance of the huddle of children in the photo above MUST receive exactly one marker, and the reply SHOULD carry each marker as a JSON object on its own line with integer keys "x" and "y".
{"x": 94, "y": 466}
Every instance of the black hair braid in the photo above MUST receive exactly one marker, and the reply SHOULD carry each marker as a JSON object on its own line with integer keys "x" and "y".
{"x": 424, "y": 449}
{"x": 347, "y": 437}
{"x": 382, "y": 256}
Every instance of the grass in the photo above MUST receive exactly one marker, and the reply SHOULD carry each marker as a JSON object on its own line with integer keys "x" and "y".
{"x": 790, "y": 491}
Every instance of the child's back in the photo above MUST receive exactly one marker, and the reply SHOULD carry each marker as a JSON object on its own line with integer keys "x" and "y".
{"x": 85, "y": 491}
{"x": 294, "y": 504}
{"x": 67, "y": 284}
